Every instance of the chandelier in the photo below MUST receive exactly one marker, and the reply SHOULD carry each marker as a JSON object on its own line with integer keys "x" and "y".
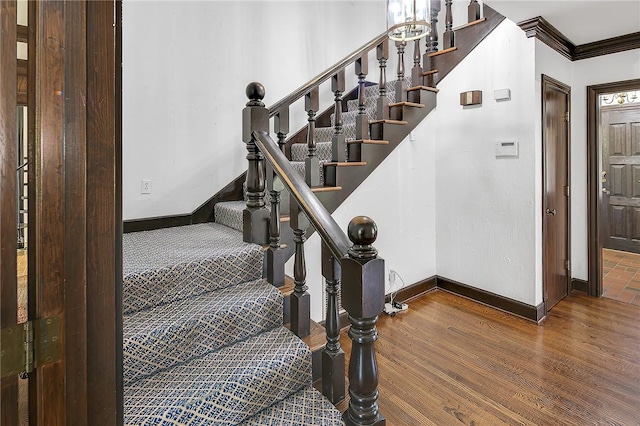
{"x": 408, "y": 19}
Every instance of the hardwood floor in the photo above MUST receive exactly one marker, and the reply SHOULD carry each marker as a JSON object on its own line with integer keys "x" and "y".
{"x": 449, "y": 360}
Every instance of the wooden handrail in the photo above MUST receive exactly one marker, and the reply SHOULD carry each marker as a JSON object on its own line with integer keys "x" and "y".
{"x": 330, "y": 232}
{"x": 330, "y": 72}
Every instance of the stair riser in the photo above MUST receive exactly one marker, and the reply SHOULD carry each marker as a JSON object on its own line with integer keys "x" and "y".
{"x": 225, "y": 387}
{"x": 161, "y": 338}
{"x": 160, "y": 287}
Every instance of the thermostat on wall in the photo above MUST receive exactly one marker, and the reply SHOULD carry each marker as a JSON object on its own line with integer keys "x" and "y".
{"x": 506, "y": 149}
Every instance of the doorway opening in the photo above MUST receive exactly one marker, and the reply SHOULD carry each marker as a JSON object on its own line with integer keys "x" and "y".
{"x": 619, "y": 140}
{"x": 613, "y": 140}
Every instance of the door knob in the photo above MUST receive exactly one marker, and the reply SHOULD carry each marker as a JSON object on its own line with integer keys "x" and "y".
{"x": 551, "y": 212}
{"x": 606, "y": 191}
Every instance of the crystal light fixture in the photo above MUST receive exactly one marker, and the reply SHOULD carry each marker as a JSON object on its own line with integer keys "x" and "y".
{"x": 408, "y": 19}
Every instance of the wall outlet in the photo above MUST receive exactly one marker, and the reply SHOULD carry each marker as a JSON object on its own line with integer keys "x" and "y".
{"x": 145, "y": 187}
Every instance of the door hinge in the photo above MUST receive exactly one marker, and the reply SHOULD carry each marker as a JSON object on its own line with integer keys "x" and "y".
{"x": 566, "y": 116}
{"x": 567, "y": 191}
{"x": 567, "y": 265}
{"x": 29, "y": 345}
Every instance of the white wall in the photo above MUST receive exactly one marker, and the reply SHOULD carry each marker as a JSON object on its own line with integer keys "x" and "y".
{"x": 400, "y": 197}
{"x": 185, "y": 68}
{"x": 486, "y": 207}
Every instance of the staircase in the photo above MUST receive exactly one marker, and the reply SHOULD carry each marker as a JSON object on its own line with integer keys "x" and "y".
{"x": 204, "y": 340}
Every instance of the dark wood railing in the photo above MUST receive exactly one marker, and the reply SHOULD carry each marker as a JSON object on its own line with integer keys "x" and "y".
{"x": 356, "y": 267}
{"x": 353, "y": 272}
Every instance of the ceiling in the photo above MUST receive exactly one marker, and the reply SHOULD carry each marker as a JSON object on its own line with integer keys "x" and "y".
{"x": 580, "y": 21}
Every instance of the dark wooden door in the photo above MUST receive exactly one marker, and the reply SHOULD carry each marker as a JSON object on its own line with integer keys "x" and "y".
{"x": 8, "y": 202}
{"x": 74, "y": 207}
{"x": 555, "y": 225}
{"x": 620, "y": 140}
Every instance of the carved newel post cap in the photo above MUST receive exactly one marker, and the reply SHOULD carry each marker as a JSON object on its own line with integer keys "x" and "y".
{"x": 255, "y": 92}
{"x": 362, "y": 232}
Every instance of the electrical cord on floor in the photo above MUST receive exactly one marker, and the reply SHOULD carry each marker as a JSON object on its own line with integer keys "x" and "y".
{"x": 393, "y": 307}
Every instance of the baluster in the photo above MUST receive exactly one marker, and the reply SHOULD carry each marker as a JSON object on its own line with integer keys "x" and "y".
{"x": 300, "y": 299}
{"x": 432, "y": 44}
{"x": 332, "y": 356}
{"x": 281, "y": 126}
{"x": 363, "y": 298}
{"x": 311, "y": 163}
{"x": 473, "y": 11}
{"x": 338, "y": 142}
{"x": 255, "y": 217}
{"x": 416, "y": 71}
{"x": 362, "y": 120}
{"x": 275, "y": 255}
{"x": 448, "y": 39}
{"x": 382, "y": 53}
{"x": 401, "y": 84}
{"x": 432, "y": 38}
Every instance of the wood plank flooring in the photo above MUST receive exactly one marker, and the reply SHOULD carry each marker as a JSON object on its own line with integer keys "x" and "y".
{"x": 449, "y": 360}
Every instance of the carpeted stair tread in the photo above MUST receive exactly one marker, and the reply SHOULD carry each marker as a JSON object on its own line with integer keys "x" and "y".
{"x": 305, "y": 407}
{"x": 164, "y": 336}
{"x": 229, "y": 213}
{"x": 170, "y": 264}
{"x": 224, "y": 387}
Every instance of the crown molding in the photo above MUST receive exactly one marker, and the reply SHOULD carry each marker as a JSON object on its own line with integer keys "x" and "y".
{"x": 539, "y": 28}
{"x": 608, "y": 46}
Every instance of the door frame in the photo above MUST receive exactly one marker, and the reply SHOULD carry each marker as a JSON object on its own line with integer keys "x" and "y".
{"x": 594, "y": 196}
{"x": 75, "y": 192}
{"x": 551, "y": 83}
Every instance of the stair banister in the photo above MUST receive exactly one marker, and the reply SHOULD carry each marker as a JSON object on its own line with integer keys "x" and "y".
{"x": 362, "y": 280}
{"x": 317, "y": 214}
{"x": 330, "y": 72}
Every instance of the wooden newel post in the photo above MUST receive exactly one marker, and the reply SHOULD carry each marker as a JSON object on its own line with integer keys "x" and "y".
{"x": 256, "y": 216}
{"x": 332, "y": 355}
{"x": 300, "y": 299}
{"x": 338, "y": 142}
{"x": 363, "y": 299}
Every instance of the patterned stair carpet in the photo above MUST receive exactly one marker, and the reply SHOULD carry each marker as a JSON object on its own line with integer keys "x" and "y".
{"x": 203, "y": 337}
